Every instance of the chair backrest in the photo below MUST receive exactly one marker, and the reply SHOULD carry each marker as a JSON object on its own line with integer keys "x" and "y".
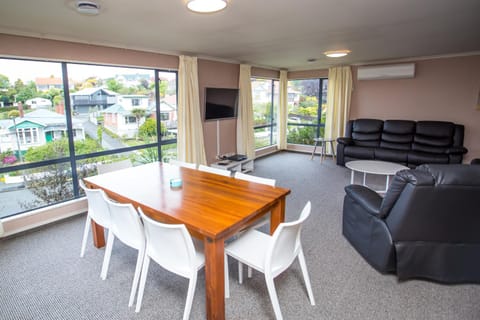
{"x": 221, "y": 172}
{"x": 114, "y": 166}
{"x": 436, "y": 203}
{"x": 248, "y": 177}
{"x": 184, "y": 164}
{"x": 97, "y": 205}
{"x": 126, "y": 224}
{"x": 285, "y": 244}
{"x": 170, "y": 245}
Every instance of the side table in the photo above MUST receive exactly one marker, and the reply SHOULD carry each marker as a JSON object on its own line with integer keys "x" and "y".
{"x": 323, "y": 142}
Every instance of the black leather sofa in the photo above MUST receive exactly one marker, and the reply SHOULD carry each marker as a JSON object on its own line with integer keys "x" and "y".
{"x": 426, "y": 226}
{"x": 407, "y": 142}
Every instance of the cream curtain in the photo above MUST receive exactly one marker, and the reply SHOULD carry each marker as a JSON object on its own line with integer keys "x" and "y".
{"x": 245, "y": 135}
{"x": 282, "y": 112}
{"x": 190, "y": 144}
{"x": 338, "y": 101}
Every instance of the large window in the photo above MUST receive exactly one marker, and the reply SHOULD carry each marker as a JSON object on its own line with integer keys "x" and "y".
{"x": 265, "y": 98}
{"x": 52, "y": 136}
{"x": 307, "y": 101}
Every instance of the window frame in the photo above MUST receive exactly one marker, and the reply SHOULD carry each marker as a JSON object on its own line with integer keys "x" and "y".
{"x": 73, "y": 158}
{"x": 319, "y": 124}
{"x": 273, "y": 120}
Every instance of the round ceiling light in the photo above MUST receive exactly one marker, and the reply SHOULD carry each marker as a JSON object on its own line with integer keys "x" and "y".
{"x": 336, "y": 53}
{"x": 206, "y": 6}
{"x": 88, "y": 7}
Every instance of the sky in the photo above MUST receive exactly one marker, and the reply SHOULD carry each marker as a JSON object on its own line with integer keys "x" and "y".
{"x": 29, "y": 70}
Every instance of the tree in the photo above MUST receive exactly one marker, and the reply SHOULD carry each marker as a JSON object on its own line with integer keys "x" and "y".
{"x": 114, "y": 85}
{"x": 13, "y": 114}
{"x": 149, "y": 129}
{"x": 52, "y": 183}
{"x": 138, "y": 113}
{"x": 25, "y": 92}
{"x": 163, "y": 86}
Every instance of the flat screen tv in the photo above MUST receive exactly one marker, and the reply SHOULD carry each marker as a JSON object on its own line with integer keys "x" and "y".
{"x": 220, "y": 103}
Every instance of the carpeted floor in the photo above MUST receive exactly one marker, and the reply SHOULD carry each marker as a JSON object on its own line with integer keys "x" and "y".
{"x": 43, "y": 277}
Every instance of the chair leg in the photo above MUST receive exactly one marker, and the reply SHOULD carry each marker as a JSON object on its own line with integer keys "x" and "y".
{"x": 240, "y": 272}
{"x": 273, "y": 297}
{"x": 303, "y": 266}
{"x": 191, "y": 291}
{"x": 108, "y": 253}
{"x": 143, "y": 279}
{"x": 85, "y": 235}
{"x": 227, "y": 278}
{"x": 136, "y": 276}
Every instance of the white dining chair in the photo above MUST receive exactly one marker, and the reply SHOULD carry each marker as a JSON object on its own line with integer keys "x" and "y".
{"x": 97, "y": 211}
{"x": 271, "y": 182}
{"x": 184, "y": 164}
{"x": 271, "y": 255}
{"x": 127, "y": 227}
{"x": 260, "y": 223}
{"x": 113, "y": 166}
{"x": 218, "y": 171}
{"x": 172, "y": 247}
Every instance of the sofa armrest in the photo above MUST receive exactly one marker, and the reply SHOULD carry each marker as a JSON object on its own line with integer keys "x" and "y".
{"x": 368, "y": 199}
{"x": 345, "y": 141}
{"x": 456, "y": 150}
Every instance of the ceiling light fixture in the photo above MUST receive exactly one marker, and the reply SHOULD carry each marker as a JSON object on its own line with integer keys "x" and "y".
{"x": 206, "y": 6}
{"x": 88, "y": 7}
{"x": 336, "y": 53}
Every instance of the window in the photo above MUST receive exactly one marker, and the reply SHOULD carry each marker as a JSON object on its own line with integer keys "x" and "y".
{"x": 44, "y": 152}
{"x": 130, "y": 120}
{"x": 265, "y": 98}
{"x": 28, "y": 135}
{"x": 306, "y": 116}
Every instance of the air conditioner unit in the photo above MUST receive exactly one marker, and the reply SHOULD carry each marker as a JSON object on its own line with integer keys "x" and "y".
{"x": 392, "y": 71}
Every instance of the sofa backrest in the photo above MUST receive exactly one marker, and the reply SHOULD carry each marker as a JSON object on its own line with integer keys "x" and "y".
{"x": 433, "y": 136}
{"x": 397, "y": 134}
{"x": 365, "y": 132}
{"x": 435, "y": 203}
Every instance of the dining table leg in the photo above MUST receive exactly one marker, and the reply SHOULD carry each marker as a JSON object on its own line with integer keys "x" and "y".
{"x": 98, "y": 234}
{"x": 214, "y": 278}
{"x": 277, "y": 214}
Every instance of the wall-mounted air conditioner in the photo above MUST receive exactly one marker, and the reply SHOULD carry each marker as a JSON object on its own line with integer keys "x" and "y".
{"x": 391, "y": 71}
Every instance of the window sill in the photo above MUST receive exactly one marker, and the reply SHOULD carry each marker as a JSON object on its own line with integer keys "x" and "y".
{"x": 36, "y": 218}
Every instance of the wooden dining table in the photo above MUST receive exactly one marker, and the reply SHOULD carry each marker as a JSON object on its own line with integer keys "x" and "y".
{"x": 213, "y": 208}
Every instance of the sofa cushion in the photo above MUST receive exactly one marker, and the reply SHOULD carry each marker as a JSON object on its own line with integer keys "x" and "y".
{"x": 359, "y": 152}
{"x": 416, "y": 158}
{"x": 400, "y": 156}
{"x": 367, "y": 132}
{"x": 397, "y": 134}
{"x": 433, "y": 136}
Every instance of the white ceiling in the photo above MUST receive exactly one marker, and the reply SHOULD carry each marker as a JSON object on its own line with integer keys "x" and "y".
{"x": 268, "y": 33}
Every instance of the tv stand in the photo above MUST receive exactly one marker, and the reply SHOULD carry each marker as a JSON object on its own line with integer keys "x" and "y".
{"x": 234, "y": 166}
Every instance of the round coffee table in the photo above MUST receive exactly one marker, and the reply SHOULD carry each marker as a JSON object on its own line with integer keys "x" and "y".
{"x": 374, "y": 167}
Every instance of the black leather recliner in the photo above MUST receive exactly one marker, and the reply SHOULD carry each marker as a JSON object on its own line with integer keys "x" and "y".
{"x": 426, "y": 226}
{"x": 407, "y": 142}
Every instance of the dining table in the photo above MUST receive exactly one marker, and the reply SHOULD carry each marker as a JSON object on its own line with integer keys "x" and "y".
{"x": 213, "y": 208}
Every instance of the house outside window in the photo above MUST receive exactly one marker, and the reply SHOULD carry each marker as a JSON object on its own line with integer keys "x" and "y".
{"x": 265, "y": 100}
{"x": 307, "y": 106}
